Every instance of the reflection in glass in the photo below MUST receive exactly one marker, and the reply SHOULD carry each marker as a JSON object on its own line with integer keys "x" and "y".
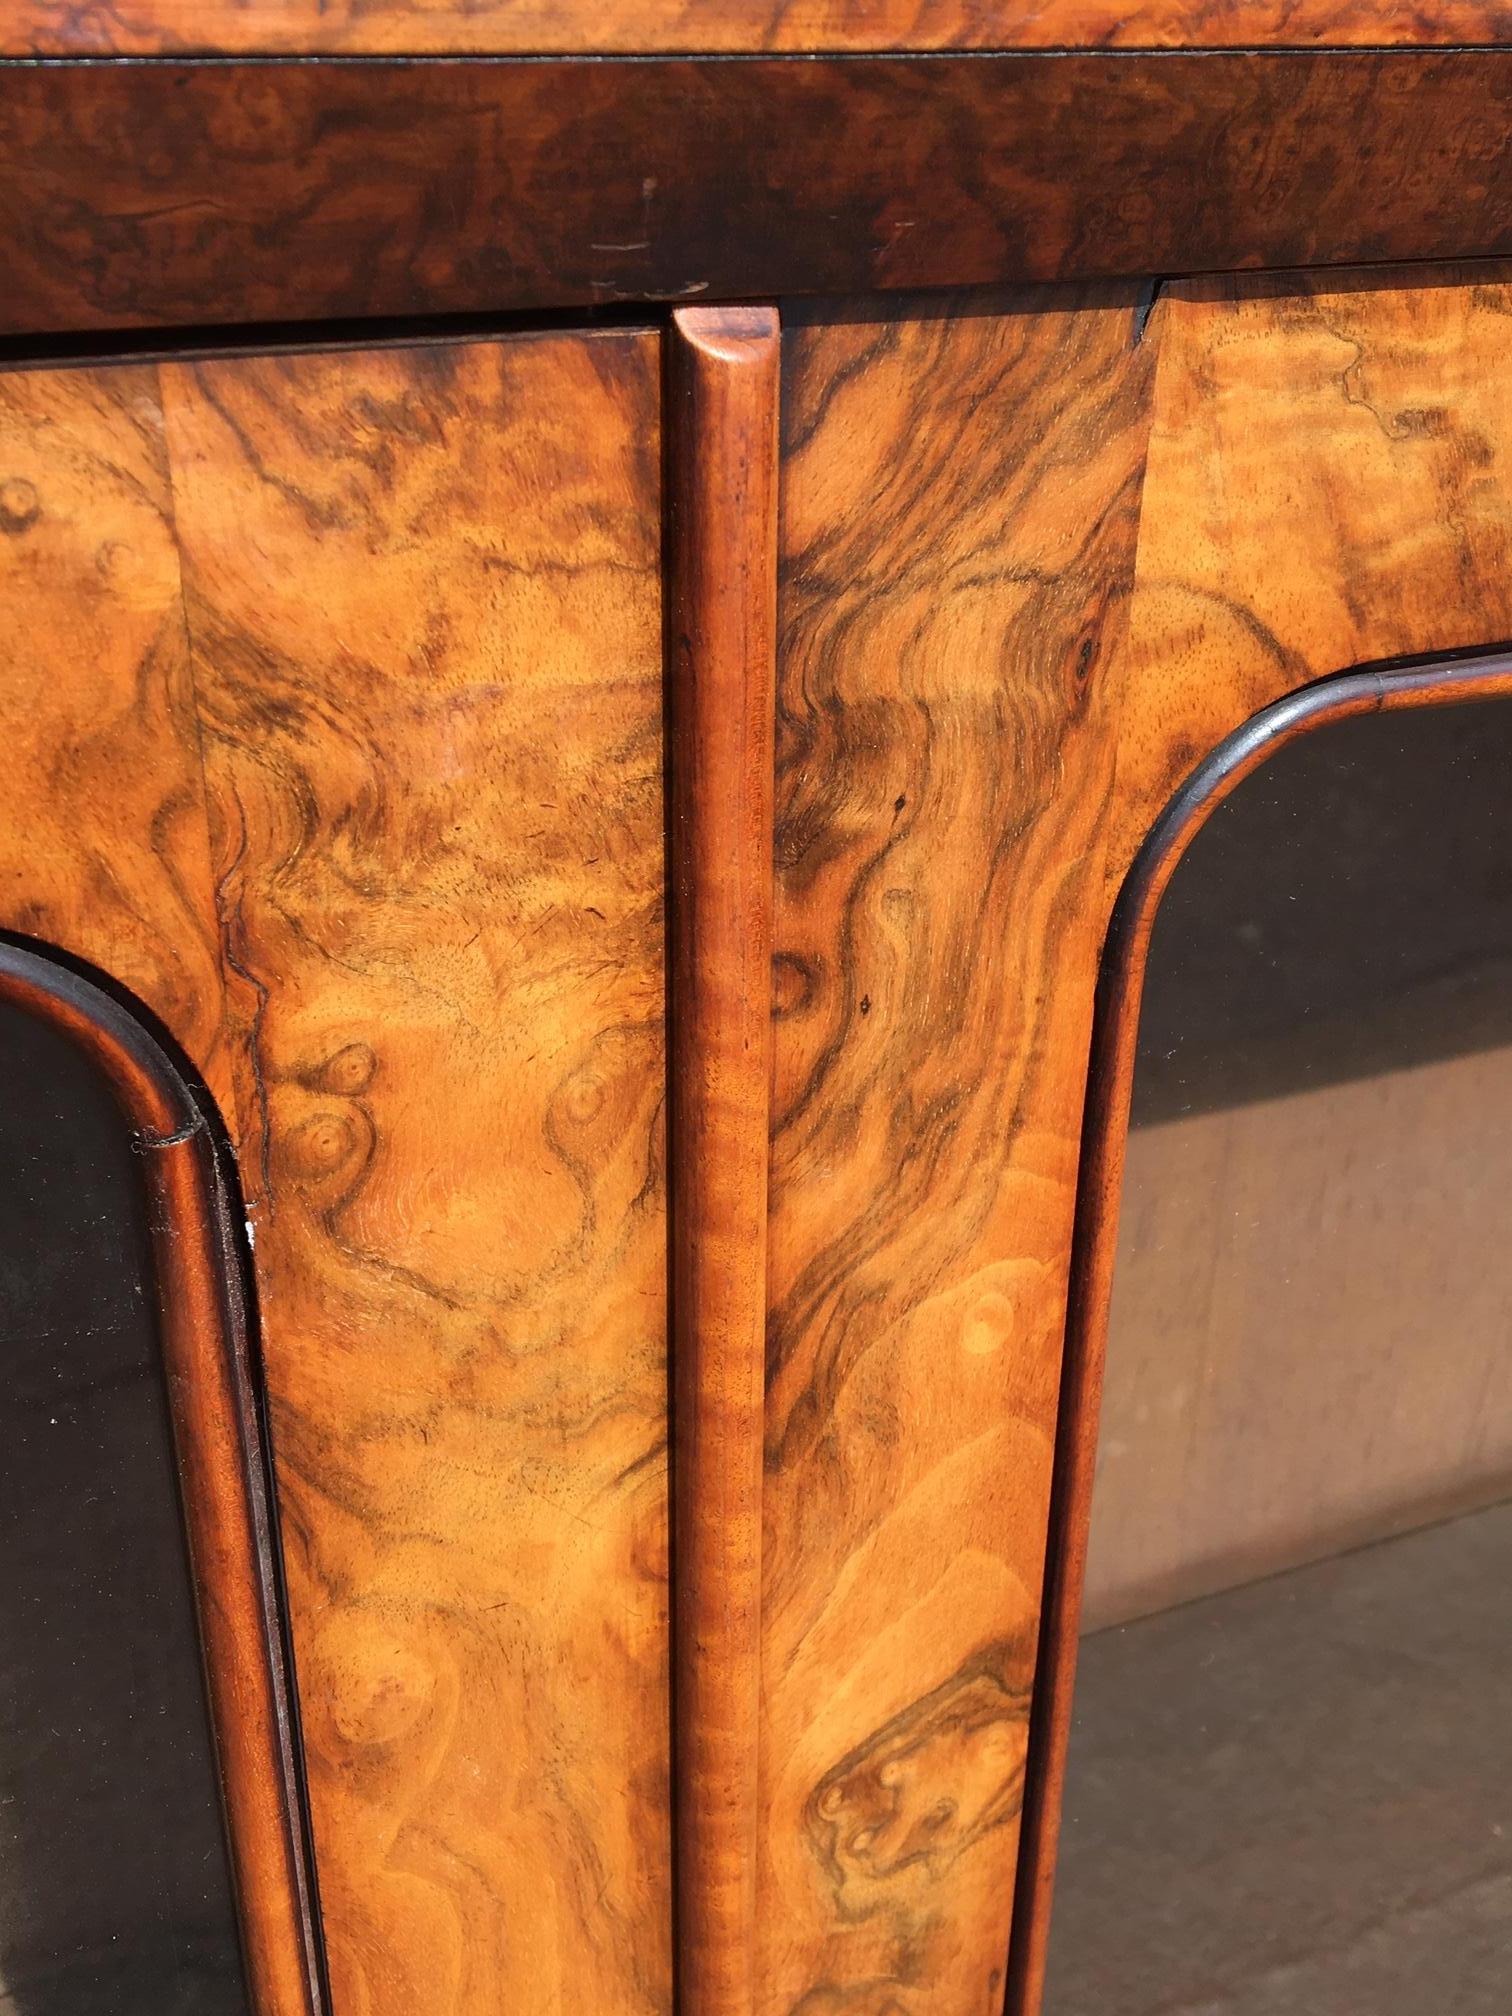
{"x": 1289, "y": 1789}
{"x": 115, "y": 1896}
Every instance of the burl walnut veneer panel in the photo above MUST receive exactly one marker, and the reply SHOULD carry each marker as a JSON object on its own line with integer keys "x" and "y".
{"x": 502, "y": 27}
{"x": 186, "y": 192}
{"x": 984, "y": 698}
{"x": 958, "y": 520}
{"x": 103, "y": 843}
{"x": 104, "y": 851}
{"x": 1329, "y": 483}
{"x": 422, "y": 591}
{"x": 423, "y": 599}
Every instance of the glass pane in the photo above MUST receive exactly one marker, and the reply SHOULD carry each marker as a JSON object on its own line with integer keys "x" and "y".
{"x": 1290, "y": 1775}
{"x": 115, "y": 1897}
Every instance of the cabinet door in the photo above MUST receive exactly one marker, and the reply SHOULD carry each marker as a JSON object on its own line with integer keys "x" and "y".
{"x": 337, "y": 679}
{"x": 1042, "y": 552}
{"x": 1288, "y": 1783}
{"x": 334, "y": 691}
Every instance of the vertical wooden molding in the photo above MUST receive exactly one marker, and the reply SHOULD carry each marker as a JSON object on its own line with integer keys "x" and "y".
{"x": 722, "y": 403}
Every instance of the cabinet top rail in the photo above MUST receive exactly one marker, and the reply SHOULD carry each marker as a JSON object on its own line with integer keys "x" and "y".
{"x": 723, "y": 27}
{"x": 217, "y": 192}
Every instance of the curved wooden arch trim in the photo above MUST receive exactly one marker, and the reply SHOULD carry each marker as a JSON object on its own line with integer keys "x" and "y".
{"x": 1120, "y": 988}
{"x": 222, "y": 1466}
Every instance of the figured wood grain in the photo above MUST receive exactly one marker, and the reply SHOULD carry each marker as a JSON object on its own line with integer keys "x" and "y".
{"x": 508, "y": 27}
{"x": 142, "y": 194}
{"x": 423, "y": 599}
{"x": 104, "y": 848}
{"x": 1329, "y": 483}
{"x": 407, "y": 574}
{"x": 722, "y": 380}
{"x": 104, "y": 853}
{"x": 958, "y": 520}
{"x": 1328, "y": 486}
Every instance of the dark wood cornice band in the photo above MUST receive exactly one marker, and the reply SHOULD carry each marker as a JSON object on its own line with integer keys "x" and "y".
{"x": 222, "y": 1468}
{"x": 139, "y": 194}
{"x": 1436, "y": 683}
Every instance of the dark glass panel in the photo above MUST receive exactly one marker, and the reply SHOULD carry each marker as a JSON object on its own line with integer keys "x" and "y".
{"x": 1345, "y": 913}
{"x": 115, "y": 1896}
{"x": 1289, "y": 1788}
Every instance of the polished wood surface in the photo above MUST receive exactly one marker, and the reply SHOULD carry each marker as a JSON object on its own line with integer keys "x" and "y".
{"x": 223, "y": 1476}
{"x": 1328, "y": 486}
{"x": 1325, "y": 486}
{"x": 104, "y": 851}
{"x": 424, "y": 661}
{"x": 104, "y": 846}
{"x": 423, "y": 595}
{"x": 517, "y": 27}
{"x": 423, "y": 599}
{"x": 140, "y": 195}
{"x": 960, "y": 498}
{"x": 722, "y": 401}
